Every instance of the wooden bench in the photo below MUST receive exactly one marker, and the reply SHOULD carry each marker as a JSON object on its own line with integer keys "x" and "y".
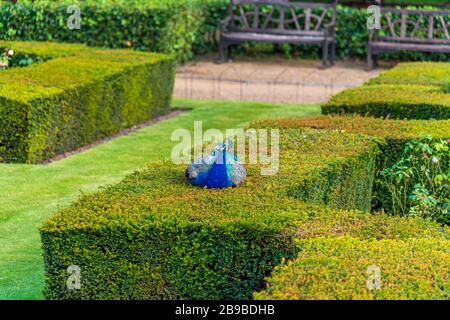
{"x": 279, "y": 22}
{"x": 410, "y": 30}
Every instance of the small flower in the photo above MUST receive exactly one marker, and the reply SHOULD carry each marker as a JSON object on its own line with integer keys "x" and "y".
{"x": 10, "y": 53}
{"x": 2, "y": 64}
{"x": 434, "y": 160}
{"x": 448, "y": 140}
{"x": 129, "y": 44}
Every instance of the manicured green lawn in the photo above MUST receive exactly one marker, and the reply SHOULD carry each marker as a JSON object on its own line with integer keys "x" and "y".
{"x": 33, "y": 193}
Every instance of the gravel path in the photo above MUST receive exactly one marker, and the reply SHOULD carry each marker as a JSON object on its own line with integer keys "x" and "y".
{"x": 278, "y": 80}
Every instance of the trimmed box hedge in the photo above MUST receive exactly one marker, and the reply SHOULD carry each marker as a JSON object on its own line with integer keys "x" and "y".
{"x": 392, "y": 135}
{"x": 408, "y": 91}
{"x": 339, "y": 268}
{"x": 418, "y": 73}
{"x": 391, "y": 101}
{"x": 74, "y": 95}
{"x": 153, "y": 236}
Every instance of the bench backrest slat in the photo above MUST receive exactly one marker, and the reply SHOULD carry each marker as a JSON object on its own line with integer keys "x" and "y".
{"x": 418, "y": 25}
{"x": 280, "y": 16}
{"x": 416, "y": 40}
{"x": 287, "y": 3}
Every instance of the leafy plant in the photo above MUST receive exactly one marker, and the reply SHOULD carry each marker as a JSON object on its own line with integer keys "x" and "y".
{"x": 5, "y": 57}
{"x": 420, "y": 181}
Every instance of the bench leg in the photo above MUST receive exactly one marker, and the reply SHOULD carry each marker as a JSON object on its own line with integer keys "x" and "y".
{"x": 369, "y": 58}
{"x": 222, "y": 49}
{"x": 324, "y": 54}
{"x": 229, "y": 54}
{"x": 225, "y": 51}
{"x": 375, "y": 60}
{"x": 332, "y": 52}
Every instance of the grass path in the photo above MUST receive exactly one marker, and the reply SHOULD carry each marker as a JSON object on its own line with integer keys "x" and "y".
{"x": 33, "y": 193}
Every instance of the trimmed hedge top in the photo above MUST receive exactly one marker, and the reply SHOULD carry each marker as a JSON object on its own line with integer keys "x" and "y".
{"x": 66, "y": 66}
{"x": 340, "y": 268}
{"x": 161, "y": 192}
{"x": 408, "y": 91}
{"x": 392, "y": 101}
{"x": 419, "y": 73}
{"x": 376, "y": 127}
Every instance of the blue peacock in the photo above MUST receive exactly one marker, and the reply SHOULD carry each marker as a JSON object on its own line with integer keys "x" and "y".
{"x": 220, "y": 169}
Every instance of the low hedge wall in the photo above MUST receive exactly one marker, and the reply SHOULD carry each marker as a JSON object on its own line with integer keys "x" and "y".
{"x": 199, "y": 243}
{"x": 418, "y": 73}
{"x": 339, "y": 268}
{"x": 76, "y": 95}
{"x": 408, "y": 91}
{"x": 180, "y": 27}
{"x": 391, "y": 101}
{"x": 392, "y": 135}
{"x": 153, "y": 236}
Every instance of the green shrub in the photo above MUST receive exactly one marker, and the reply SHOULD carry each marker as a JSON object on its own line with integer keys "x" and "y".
{"x": 211, "y": 244}
{"x": 392, "y": 136}
{"x": 179, "y": 27}
{"x": 408, "y": 91}
{"x": 168, "y": 26}
{"x": 77, "y": 95}
{"x": 153, "y": 236}
{"x": 392, "y": 101}
{"x": 419, "y": 73}
{"x": 386, "y": 129}
{"x": 345, "y": 268}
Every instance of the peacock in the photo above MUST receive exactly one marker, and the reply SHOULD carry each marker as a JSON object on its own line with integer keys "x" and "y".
{"x": 218, "y": 170}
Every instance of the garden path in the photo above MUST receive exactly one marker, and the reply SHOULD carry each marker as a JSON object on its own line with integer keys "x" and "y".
{"x": 276, "y": 80}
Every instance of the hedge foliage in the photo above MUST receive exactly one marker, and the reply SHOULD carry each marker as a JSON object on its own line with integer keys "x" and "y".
{"x": 391, "y": 135}
{"x": 408, "y": 91}
{"x": 418, "y": 73}
{"x": 217, "y": 244}
{"x": 180, "y": 27}
{"x": 337, "y": 268}
{"x": 153, "y": 236}
{"x": 75, "y": 95}
{"x": 340, "y": 268}
{"x": 168, "y": 26}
